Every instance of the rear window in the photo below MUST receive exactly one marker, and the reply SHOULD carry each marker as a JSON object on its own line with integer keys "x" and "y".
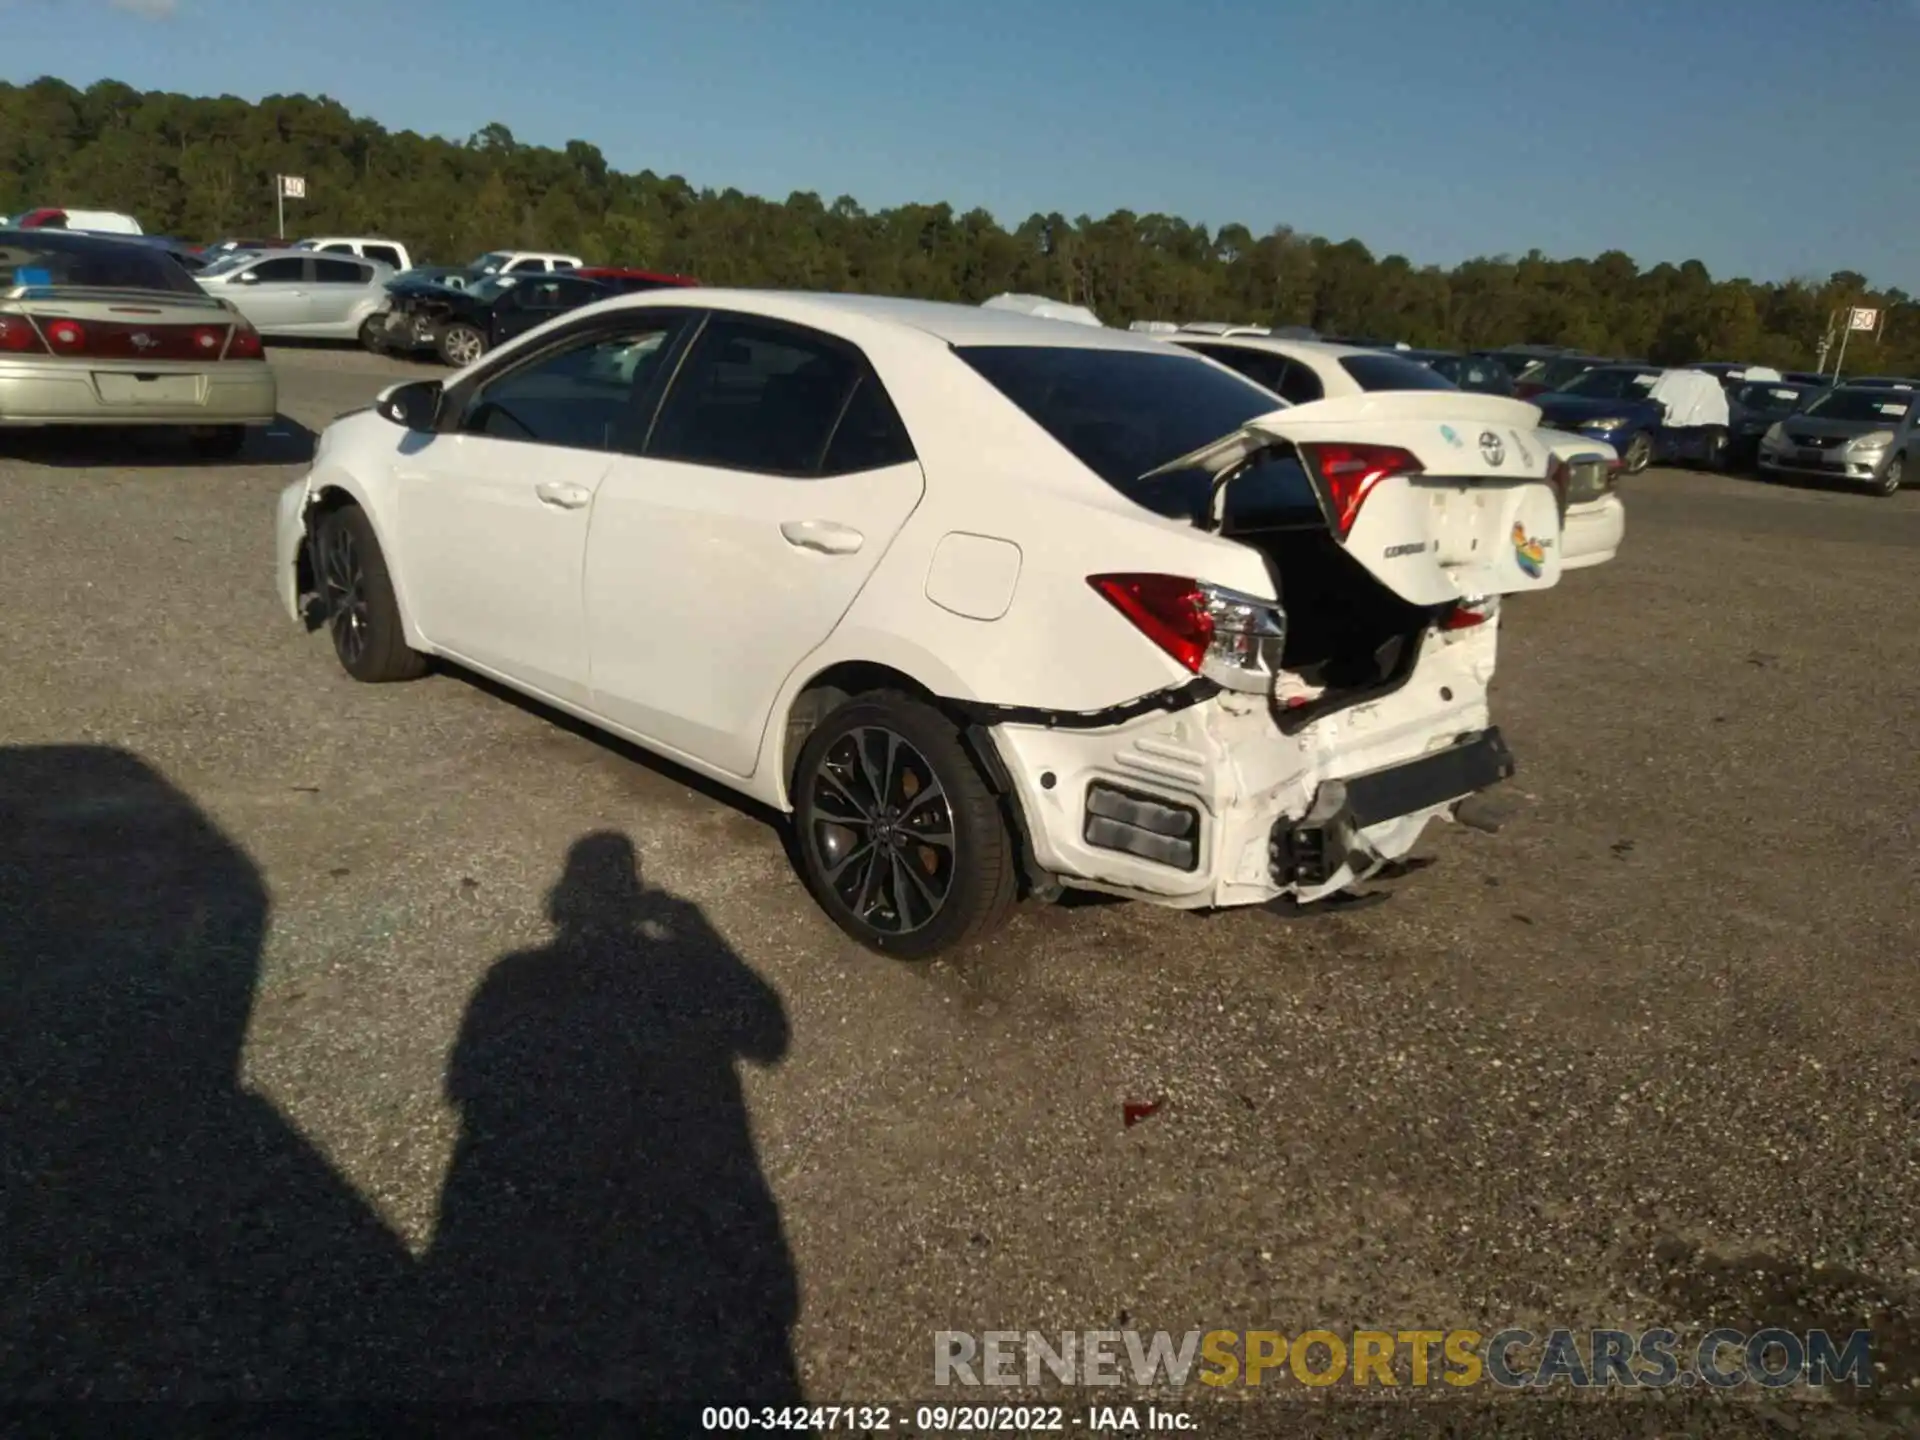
{"x": 1122, "y": 413}
{"x": 1391, "y": 372}
{"x": 39, "y": 258}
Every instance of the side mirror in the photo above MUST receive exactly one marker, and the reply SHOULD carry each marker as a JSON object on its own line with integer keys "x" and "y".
{"x": 413, "y": 406}
{"x": 246, "y": 277}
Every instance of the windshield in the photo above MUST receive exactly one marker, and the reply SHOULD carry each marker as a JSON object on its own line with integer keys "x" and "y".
{"x": 1391, "y": 372}
{"x": 492, "y": 260}
{"x": 1770, "y": 399}
{"x": 1612, "y": 384}
{"x": 489, "y": 287}
{"x": 1554, "y": 374}
{"x": 1878, "y": 406}
{"x": 232, "y": 260}
{"x": 1122, "y": 413}
{"x": 35, "y": 257}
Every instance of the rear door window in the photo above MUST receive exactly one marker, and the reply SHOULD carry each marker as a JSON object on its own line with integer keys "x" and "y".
{"x": 339, "y": 272}
{"x": 869, "y": 435}
{"x": 1391, "y": 372}
{"x": 761, "y": 396}
{"x": 385, "y": 254}
{"x": 1260, "y": 366}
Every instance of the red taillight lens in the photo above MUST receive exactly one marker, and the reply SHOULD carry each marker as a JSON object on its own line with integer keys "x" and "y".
{"x": 245, "y": 344}
{"x": 1350, "y": 472}
{"x": 18, "y": 337}
{"x": 1170, "y": 611}
{"x": 207, "y": 339}
{"x": 66, "y": 337}
{"x": 1469, "y": 613}
{"x": 1235, "y": 640}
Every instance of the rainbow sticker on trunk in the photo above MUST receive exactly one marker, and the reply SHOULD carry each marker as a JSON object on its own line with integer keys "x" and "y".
{"x": 1530, "y": 554}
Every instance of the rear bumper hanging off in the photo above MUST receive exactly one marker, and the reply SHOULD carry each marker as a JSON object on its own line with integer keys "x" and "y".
{"x": 1312, "y": 850}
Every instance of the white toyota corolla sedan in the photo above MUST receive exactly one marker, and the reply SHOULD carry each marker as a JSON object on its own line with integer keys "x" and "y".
{"x": 989, "y": 603}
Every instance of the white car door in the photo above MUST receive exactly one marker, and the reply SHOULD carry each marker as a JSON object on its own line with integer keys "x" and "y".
{"x": 775, "y": 476}
{"x": 494, "y": 510}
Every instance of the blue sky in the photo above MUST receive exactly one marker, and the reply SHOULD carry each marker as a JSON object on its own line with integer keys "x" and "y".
{"x": 1766, "y": 138}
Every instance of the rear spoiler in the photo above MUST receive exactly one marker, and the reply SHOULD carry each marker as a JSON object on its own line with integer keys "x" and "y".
{"x": 105, "y": 294}
{"x": 1264, "y": 432}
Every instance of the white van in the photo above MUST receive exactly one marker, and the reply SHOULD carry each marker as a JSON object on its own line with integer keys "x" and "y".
{"x": 387, "y": 252}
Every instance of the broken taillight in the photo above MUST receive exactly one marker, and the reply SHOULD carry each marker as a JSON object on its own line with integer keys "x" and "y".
{"x": 1349, "y": 473}
{"x": 1234, "y": 640}
{"x": 1475, "y": 610}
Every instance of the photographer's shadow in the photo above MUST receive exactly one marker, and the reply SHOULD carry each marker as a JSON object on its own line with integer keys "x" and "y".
{"x": 605, "y": 1229}
{"x": 167, "y": 1233}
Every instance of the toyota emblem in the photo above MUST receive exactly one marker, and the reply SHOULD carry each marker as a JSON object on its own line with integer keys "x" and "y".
{"x": 1491, "y": 450}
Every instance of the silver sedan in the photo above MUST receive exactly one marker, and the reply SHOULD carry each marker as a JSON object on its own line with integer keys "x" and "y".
{"x": 1865, "y": 435}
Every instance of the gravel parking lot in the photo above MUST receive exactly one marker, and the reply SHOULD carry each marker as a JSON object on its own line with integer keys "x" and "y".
{"x": 1646, "y": 1056}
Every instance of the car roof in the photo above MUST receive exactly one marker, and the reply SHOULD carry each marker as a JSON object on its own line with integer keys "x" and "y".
{"x": 1304, "y": 349}
{"x": 953, "y": 323}
{"x": 39, "y": 235}
{"x": 251, "y": 256}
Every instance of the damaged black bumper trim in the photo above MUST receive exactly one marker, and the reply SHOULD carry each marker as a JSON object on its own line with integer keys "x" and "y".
{"x": 1474, "y": 763}
{"x": 1196, "y": 691}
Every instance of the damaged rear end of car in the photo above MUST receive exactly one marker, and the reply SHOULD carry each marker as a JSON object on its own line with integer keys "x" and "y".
{"x": 1327, "y": 721}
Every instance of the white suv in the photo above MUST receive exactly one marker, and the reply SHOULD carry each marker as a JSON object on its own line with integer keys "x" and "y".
{"x": 524, "y": 262}
{"x": 387, "y": 252}
{"x": 984, "y": 601}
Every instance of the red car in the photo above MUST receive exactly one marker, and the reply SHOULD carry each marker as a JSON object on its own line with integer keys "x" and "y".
{"x": 630, "y": 281}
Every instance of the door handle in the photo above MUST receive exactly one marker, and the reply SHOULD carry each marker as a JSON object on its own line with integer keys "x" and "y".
{"x": 829, "y": 537}
{"x": 563, "y": 497}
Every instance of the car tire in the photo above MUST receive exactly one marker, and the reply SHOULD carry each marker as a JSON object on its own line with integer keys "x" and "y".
{"x": 1716, "y": 456}
{"x": 357, "y": 600}
{"x": 1638, "y": 454}
{"x": 217, "y": 442}
{"x": 373, "y": 335}
{"x": 878, "y": 774}
{"x": 461, "y": 345}
{"x": 1889, "y": 480}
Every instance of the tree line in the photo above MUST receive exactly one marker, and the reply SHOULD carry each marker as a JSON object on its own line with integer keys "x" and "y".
{"x": 202, "y": 168}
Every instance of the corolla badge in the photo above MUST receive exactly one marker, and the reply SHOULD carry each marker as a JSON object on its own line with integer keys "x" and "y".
{"x": 1491, "y": 449}
{"x": 1528, "y": 553}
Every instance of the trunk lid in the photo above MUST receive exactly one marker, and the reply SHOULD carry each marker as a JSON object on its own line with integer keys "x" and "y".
{"x": 1440, "y": 495}
{"x": 144, "y": 325}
